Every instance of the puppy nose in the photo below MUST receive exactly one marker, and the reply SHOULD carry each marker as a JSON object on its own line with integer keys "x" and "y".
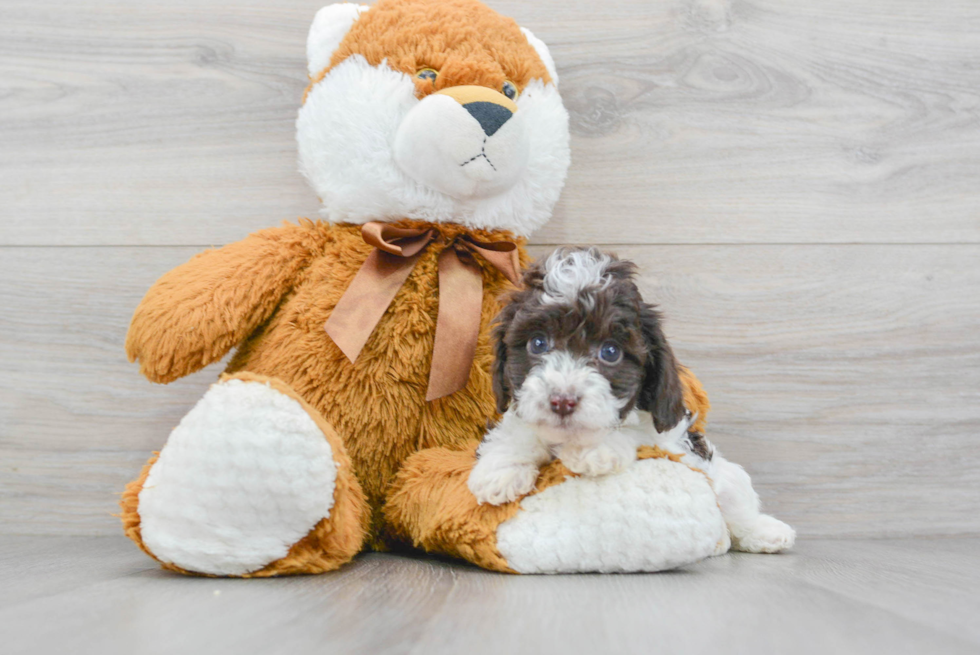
{"x": 563, "y": 404}
{"x": 490, "y": 108}
{"x": 490, "y": 116}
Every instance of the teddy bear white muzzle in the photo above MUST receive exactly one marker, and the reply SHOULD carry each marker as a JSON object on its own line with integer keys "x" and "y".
{"x": 464, "y": 141}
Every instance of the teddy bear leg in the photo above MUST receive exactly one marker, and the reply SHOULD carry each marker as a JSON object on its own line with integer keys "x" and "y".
{"x": 657, "y": 515}
{"x": 430, "y": 506}
{"x": 253, "y": 482}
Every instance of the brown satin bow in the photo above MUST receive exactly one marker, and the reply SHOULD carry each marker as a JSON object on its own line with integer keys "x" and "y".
{"x": 384, "y": 272}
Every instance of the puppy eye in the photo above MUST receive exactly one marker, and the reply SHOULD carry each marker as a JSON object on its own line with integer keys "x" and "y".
{"x": 429, "y": 74}
{"x": 537, "y": 345}
{"x": 610, "y": 353}
{"x": 509, "y": 89}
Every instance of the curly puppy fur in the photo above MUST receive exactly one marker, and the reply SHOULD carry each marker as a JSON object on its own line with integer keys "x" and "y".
{"x": 270, "y": 294}
{"x": 584, "y": 373}
{"x": 577, "y": 351}
{"x": 582, "y": 298}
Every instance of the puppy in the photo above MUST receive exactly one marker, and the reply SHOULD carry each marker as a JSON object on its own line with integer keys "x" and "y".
{"x": 583, "y": 373}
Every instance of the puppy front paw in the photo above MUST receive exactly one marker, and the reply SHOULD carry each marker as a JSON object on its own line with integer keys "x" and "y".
{"x": 597, "y": 459}
{"x": 767, "y": 535}
{"x": 496, "y": 484}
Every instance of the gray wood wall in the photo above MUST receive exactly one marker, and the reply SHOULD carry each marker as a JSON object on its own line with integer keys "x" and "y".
{"x": 799, "y": 182}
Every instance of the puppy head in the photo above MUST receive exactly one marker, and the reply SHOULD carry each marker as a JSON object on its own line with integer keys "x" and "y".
{"x": 577, "y": 348}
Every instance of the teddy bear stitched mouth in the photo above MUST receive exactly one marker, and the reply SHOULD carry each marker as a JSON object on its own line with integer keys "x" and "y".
{"x": 483, "y": 153}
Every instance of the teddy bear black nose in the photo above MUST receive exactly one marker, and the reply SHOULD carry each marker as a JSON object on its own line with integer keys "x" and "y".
{"x": 490, "y": 115}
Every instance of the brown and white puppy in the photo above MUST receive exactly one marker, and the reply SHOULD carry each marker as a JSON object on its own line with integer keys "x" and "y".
{"x": 584, "y": 373}
{"x": 577, "y": 351}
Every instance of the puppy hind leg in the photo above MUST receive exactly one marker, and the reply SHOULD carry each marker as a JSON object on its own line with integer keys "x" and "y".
{"x": 751, "y": 531}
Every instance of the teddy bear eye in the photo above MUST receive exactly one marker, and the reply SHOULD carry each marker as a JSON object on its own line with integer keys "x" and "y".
{"x": 509, "y": 89}
{"x": 610, "y": 352}
{"x": 537, "y": 344}
{"x": 427, "y": 74}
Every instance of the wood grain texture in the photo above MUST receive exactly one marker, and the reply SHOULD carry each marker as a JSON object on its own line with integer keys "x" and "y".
{"x": 694, "y": 121}
{"x": 845, "y": 379}
{"x": 725, "y": 142}
{"x": 101, "y": 595}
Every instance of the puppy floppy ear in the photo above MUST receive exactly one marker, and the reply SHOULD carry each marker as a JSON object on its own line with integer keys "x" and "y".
{"x": 501, "y": 389}
{"x": 661, "y": 394}
{"x": 532, "y": 283}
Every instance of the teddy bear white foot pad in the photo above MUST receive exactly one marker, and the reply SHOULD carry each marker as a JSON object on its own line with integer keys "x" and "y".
{"x": 656, "y": 515}
{"x": 245, "y": 475}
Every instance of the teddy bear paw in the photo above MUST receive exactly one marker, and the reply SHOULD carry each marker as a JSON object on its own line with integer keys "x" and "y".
{"x": 654, "y": 515}
{"x": 245, "y": 475}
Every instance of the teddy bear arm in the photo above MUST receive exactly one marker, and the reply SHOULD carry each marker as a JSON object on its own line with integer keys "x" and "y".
{"x": 197, "y": 312}
{"x": 695, "y": 398}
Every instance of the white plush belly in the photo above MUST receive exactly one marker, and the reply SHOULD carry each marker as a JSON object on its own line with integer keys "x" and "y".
{"x": 656, "y": 515}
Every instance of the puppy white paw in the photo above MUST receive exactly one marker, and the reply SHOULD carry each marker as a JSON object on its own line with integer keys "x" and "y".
{"x": 598, "y": 459}
{"x": 496, "y": 484}
{"x": 767, "y": 535}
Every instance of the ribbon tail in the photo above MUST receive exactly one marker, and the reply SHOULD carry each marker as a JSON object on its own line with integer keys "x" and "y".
{"x": 503, "y": 256}
{"x": 366, "y": 299}
{"x": 457, "y": 325}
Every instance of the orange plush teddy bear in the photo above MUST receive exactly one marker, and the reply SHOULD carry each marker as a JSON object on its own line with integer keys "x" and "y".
{"x": 434, "y": 134}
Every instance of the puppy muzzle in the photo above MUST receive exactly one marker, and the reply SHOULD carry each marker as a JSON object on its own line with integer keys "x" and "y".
{"x": 564, "y": 404}
{"x": 567, "y": 393}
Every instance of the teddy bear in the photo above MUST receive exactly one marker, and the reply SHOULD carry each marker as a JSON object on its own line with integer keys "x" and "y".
{"x": 348, "y": 417}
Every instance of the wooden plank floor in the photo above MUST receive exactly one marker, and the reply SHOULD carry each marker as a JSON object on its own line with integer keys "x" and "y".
{"x": 769, "y": 121}
{"x": 101, "y": 595}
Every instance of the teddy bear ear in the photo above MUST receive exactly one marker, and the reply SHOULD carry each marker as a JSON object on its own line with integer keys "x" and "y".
{"x": 543, "y": 52}
{"x": 329, "y": 28}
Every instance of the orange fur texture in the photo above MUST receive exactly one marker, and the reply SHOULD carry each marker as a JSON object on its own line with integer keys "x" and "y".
{"x": 695, "y": 398}
{"x": 270, "y": 294}
{"x": 296, "y": 274}
{"x": 281, "y": 285}
{"x": 465, "y": 41}
{"x": 431, "y": 506}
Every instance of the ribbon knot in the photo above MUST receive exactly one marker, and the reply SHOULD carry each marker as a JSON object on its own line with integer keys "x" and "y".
{"x": 386, "y": 269}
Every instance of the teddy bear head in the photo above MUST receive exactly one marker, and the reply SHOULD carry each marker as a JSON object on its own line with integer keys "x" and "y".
{"x": 437, "y": 110}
